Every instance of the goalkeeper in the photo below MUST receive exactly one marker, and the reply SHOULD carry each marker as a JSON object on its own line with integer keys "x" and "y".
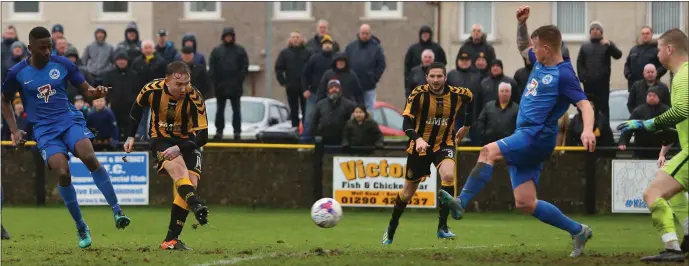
{"x": 673, "y": 179}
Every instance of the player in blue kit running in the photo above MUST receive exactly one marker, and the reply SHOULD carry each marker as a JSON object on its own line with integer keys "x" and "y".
{"x": 552, "y": 87}
{"x": 58, "y": 126}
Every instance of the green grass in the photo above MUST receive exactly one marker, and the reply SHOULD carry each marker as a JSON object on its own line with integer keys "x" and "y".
{"x": 47, "y": 236}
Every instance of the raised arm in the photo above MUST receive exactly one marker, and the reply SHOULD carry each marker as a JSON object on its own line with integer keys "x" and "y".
{"x": 523, "y": 39}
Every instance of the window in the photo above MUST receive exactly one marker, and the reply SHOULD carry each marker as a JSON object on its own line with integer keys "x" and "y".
{"x": 481, "y": 13}
{"x": 274, "y": 113}
{"x": 202, "y": 10}
{"x": 25, "y": 10}
{"x": 378, "y": 117}
{"x": 284, "y": 113}
{"x": 292, "y": 10}
{"x": 114, "y": 10}
{"x": 384, "y": 9}
{"x": 663, "y": 16}
{"x": 394, "y": 119}
{"x": 567, "y": 16}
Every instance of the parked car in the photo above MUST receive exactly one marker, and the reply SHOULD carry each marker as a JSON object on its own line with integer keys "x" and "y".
{"x": 258, "y": 114}
{"x": 388, "y": 117}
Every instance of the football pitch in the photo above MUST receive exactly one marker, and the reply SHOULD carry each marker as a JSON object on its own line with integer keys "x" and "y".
{"x": 239, "y": 236}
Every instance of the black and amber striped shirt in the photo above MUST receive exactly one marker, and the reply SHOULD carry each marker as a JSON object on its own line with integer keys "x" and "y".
{"x": 172, "y": 118}
{"x": 433, "y": 116}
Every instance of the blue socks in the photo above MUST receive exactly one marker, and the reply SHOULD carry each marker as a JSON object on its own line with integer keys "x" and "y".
{"x": 478, "y": 178}
{"x": 551, "y": 215}
{"x": 69, "y": 195}
{"x": 102, "y": 180}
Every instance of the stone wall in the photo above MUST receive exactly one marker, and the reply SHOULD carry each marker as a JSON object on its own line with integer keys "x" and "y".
{"x": 283, "y": 178}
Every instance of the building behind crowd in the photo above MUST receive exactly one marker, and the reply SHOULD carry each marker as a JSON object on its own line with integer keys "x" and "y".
{"x": 396, "y": 24}
{"x": 621, "y": 21}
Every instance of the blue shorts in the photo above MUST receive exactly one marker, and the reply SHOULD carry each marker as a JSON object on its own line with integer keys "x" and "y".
{"x": 61, "y": 139}
{"x": 524, "y": 155}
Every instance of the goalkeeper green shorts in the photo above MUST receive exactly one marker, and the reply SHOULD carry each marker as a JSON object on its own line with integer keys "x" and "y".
{"x": 678, "y": 168}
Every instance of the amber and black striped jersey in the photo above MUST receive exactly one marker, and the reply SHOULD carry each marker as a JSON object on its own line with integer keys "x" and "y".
{"x": 172, "y": 118}
{"x": 433, "y": 116}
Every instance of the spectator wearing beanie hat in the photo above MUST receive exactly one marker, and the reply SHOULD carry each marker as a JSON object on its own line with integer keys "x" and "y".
{"x": 331, "y": 115}
{"x": 489, "y": 87}
{"x": 124, "y": 86}
{"x": 594, "y": 65}
{"x": 97, "y": 57}
{"x": 653, "y": 107}
{"x": 58, "y": 32}
{"x": 311, "y": 77}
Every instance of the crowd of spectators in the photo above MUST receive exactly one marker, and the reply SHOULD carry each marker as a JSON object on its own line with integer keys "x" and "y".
{"x": 331, "y": 89}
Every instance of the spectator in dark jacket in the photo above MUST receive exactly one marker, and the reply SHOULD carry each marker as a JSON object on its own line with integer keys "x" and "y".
{"x": 165, "y": 49}
{"x": 463, "y": 75}
{"x": 414, "y": 57}
{"x": 637, "y": 94}
{"x": 149, "y": 65}
{"x": 22, "y": 120}
{"x": 189, "y": 39}
{"x": 593, "y": 66}
{"x": 124, "y": 87}
{"x": 289, "y": 68}
{"x": 73, "y": 91}
{"x": 349, "y": 83}
{"x": 229, "y": 67}
{"x": 199, "y": 76}
{"x": 331, "y": 115}
{"x": 361, "y": 130}
{"x": 521, "y": 77}
{"x": 98, "y": 56}
{"x": 81, "y": 105}
{"x": 645, "y": 52}
{"x": 417, "y": 75}
{"x": 489, "y": 87}
{"x": 311, "y": 77}
{"x": 601, "y": 127}
{"x": 650, "y": 109}
{"x": 101, "y": 121}
{"x": 131, "y": 43}
{"x": 367, "y": 60}
{"x": 315, "y": 45}
{"x": 481, "y": 66}
{"x": 477, "y": 46}
{"x": 17, "y": 53}
{"x": 9, "y": 36}
{"x": 498, "y": 119}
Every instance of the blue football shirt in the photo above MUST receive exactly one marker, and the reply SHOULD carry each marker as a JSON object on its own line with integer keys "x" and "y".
{"x": 547, "y": 96}
{"x": 43, "y": 91}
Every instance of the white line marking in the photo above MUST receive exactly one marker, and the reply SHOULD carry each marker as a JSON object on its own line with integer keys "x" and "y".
{"x": 237, "y": 260}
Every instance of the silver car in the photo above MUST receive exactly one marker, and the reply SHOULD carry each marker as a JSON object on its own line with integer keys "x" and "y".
{"x": 258, "y": 114}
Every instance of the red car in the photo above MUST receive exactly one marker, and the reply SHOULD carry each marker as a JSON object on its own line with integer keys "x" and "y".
{"x": 388, "y": 117}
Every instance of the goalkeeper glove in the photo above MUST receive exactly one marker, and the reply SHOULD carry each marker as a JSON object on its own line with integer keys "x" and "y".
{"x": 634, "y": 125}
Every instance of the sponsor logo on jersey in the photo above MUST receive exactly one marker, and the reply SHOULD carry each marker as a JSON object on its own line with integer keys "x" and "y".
{"x": 44, "y": 92}
{"x": 437, "y": 121}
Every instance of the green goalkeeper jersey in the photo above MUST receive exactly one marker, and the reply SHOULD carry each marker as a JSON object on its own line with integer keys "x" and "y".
{"x": 679, "y": 112}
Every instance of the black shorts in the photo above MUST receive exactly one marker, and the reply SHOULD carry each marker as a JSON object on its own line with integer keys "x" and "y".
{"x": 419, "y": 167}
{"x": 192, "y": 159}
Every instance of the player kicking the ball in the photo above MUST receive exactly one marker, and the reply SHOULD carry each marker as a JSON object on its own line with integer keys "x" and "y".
{"x": 179, "y": 128}
{"x": 58, "y": 126}
{"x": 673, "y": 178}
{"x": 552, "y": 87}
{"x": 429, "y": 119}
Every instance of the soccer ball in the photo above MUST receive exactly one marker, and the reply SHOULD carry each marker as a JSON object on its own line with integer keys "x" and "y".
{"x": 326, "y": 212}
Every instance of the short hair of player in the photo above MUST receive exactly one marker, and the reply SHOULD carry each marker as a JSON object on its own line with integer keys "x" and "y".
{"x": 38, "y": 33}
{"x": 437, "y": 65}
{"x": 177, "y": 67}
{"x": 549, "y": 35}
{"x": 677, "y": 39}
